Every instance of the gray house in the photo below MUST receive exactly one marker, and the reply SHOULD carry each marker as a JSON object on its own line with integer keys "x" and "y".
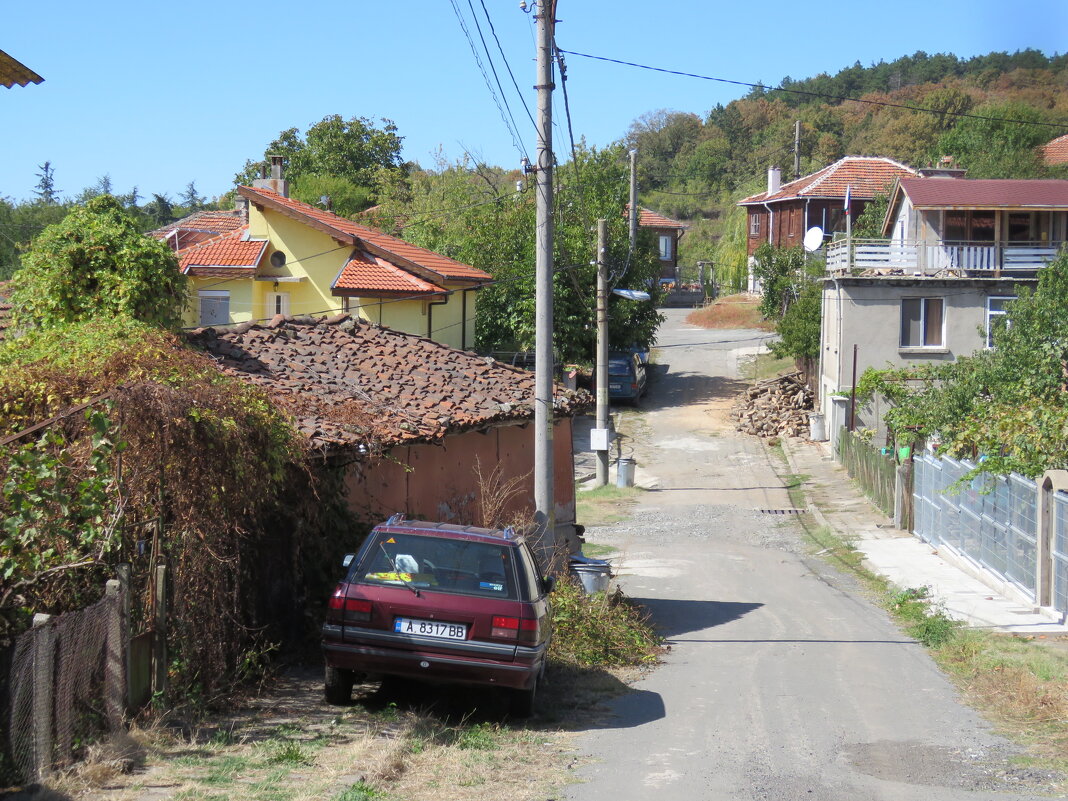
{"x": 955, "y": 251}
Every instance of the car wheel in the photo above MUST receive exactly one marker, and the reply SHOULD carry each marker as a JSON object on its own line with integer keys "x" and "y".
{"x": 338, "y": 685}
{"x": 521, "y": 702}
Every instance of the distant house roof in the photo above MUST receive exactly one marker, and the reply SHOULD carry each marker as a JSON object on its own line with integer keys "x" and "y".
{"x": 651, "y": 219}
{"x": 226, "y": 255}
{"x": 426, "y": 264}
{"x": 985, "y": 193}
{"x": 14, "y": 72}
{"x": 198, "y": 227}
{"x": 347, "y": 382}
{"x": 1056, "y": 151}
{"x": 865, "y": 176}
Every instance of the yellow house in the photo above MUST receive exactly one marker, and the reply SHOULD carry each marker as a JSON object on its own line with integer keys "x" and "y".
{"x": 298, "y": 260}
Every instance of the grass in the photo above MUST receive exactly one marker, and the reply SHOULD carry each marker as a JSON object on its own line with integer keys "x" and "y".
{"x": 731, "y": 311}
{"x": 595, "y": 550}
{"x": 766, "y": 365}
{"x": 605, "y": 505}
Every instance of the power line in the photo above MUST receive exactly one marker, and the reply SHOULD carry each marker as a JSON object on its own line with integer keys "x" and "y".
{"x": 507, "y": 66}
{"x": 887, "y": 104}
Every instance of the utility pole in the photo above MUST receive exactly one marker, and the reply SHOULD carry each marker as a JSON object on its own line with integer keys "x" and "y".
{"x": 601, "y": 447}
{"x": 797, "y": 149}
{"x": 633, "y": 199}
{"x": 544, "y": 497}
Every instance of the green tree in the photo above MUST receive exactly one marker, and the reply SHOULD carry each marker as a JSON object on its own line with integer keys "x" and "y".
{"x": 869, "y": 223}
{"x": 1003, "y": 147}
{"x": 191, "y": 199}
{"x": 46, "y": 185}
{"x": 97, "y": 262}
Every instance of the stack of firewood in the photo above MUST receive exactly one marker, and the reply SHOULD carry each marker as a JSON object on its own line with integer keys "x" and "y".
{"x": 777, "y": 407}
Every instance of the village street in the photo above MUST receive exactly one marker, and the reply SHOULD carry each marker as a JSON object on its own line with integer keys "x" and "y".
{"x": 783, "y": 681}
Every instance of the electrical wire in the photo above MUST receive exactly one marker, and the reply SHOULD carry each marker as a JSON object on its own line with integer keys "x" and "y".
{"x": 507, "y": 66}
{"x": 821, "y": 95}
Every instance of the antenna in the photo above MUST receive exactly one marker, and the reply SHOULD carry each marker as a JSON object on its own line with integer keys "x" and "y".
{"x": 813, "y": 238}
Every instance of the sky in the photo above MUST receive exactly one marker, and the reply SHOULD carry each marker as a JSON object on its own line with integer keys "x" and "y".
{"x": 156, "y": 95}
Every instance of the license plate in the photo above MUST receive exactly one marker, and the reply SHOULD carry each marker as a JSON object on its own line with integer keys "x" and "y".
{"x": 430, "y": 628}
{"x": 615, "y": 386}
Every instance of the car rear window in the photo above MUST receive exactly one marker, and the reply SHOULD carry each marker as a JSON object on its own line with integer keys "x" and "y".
{"x": 618, "y": 367}
{"x": 437, "y": 563}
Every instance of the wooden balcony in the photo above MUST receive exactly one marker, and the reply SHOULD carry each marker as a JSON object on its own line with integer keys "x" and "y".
{"x": 874, "y": 257}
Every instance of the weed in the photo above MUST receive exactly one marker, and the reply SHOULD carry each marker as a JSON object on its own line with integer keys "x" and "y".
{"x": 600, "y": 630}
{"x": 605, "y": 505}
{"x": 592, "y": 549}
{"x": 361, "y": 791}
{"x": 480, "y": 737}
{"x": 286, "y": 752}
{"x": 223, "y": 737}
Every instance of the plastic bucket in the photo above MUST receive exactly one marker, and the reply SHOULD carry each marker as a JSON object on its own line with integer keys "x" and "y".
{"x": 817, "y": 430}
{"x": 624, "y": 472}
{"x": 593, "y": 574}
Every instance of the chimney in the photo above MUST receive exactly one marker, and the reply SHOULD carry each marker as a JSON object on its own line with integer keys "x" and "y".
{"x": 946, "y": 167}
{"x": 774, "y": 180}
{"x": 276, "y": 183}
{"x": 241, "y": 206}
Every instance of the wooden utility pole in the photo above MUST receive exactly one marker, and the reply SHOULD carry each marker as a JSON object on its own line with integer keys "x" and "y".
{"x": 797, "y": 149}
{"x": 544, "y": 499}
{"x": 602, "y": 351}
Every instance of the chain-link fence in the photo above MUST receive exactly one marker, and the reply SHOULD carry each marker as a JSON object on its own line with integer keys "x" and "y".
{"x": 874, "y": 470}
{"x": 66, "y": 683}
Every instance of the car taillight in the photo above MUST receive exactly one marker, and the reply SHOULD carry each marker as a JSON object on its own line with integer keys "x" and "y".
{"x": 347, "y": 610}
{"x": 514, "y": 628}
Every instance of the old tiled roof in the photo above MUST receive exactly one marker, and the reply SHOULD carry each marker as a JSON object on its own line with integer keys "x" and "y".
{"x": 403, "y": 254}
{"x": 14, "y": 72}
{"x": 865, "y": 175}
{"x": 651, "y": 219}
{"x": 368, "y": 275}
{"x": 1056, "y": 151}
{"x": 985, "y": 193}
{"x": 228, "y": 254}
{"x": 348, "y": 383}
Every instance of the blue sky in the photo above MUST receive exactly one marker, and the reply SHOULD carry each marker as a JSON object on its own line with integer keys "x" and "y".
{"x": 157, "y": 95}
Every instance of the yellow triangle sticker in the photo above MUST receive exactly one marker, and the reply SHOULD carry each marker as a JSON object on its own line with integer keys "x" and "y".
{"x": 391, "y": 540}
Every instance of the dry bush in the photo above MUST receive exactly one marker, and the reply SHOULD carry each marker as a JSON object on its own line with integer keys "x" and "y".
{"x": 731, "y": 312}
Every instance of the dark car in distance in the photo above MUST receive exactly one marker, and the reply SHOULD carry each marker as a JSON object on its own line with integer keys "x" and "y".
{"x": 440, "y": 603}
{"x": 626, "y": 376}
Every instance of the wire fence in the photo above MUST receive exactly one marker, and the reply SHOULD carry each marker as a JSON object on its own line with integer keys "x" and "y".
{"x": 66, "y": 687}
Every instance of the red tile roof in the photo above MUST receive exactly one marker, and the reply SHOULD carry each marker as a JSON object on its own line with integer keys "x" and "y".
{"x": 347, "y": 382}
{"x": 230, "y": 252}
{"x": 14, "y": 72}
{"x": 986, "y": 193}
{"x": 865, "y": 175}
{"x": 404, "y": 254}
{"x": 210, "y": 222}
{"x": 369, "y": 275}
{"x": 1056, "y": 151}
{"x": 651, "y": 219}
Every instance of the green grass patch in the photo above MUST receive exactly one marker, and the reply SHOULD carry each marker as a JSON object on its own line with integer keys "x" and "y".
{"x": 600, "y": 630}
{"x": 765, "y": 365}
{"x": 361, "y": 791}
{"x": 595, "y": 550}
{"x": 605, "y": 505}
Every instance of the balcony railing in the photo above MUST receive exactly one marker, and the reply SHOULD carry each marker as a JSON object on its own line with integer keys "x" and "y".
{"x": 936, "y": 259}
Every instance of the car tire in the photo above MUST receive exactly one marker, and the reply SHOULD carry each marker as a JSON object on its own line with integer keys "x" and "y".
{"x": 521, "y": 702}
{"x": 338, "y": 685}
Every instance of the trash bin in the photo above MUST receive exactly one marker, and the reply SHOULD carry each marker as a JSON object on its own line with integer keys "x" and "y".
{"x": 817, "y": 430}
{"x": 593, "y": 574}
{"x": 624, "y": 472}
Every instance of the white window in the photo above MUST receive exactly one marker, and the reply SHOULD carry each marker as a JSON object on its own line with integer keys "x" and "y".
{"x": 995, "y": 307}
{"x": 214, "y": 306}
{"x": 922, "y": 322}
{"x": 277, "y": 303}
{"x": 754, "y": 225}
{"x": 666, "y": 246}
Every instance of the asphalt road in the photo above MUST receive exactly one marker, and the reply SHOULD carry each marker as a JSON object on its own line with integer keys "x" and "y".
{"x": 783, "y": 681}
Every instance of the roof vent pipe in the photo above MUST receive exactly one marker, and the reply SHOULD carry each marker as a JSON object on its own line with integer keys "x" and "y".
{"x": 774, "y": 180}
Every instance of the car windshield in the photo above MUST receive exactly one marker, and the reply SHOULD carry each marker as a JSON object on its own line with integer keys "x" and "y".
{"x": 619, "y": 367}
{"x": 440, "y": 564}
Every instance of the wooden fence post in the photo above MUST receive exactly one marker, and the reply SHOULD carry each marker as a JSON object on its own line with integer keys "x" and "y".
{"x": 43, "y": 684}
{"x": 122, "y": 573}
{"x": 159, "y": 637}
{"x": 114, "y": 657}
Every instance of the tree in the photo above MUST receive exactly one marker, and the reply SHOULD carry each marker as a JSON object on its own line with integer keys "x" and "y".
{"x": 46, "y": 187}
{"x": 334, "y": 149}
{"x": 160, "y": 209}
{"x": 1003, "y": 147}
{"x": 96, "y": 262}
{"x": 869, "y": 224}
{"x": 190, "y": 199}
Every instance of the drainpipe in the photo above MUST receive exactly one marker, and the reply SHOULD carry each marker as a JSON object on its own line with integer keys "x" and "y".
{"x": 463, "y": 319}
{"x": 430, "y": 304}
{"x": 771, "y": 222}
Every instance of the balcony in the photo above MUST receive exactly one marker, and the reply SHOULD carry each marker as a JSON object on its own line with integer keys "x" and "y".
{"x": 874, "y": 257}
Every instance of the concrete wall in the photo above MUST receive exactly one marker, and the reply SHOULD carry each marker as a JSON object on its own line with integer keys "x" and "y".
{"x": 440, "y": 482}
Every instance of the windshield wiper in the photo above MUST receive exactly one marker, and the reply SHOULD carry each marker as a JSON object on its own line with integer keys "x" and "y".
{"x": 397, "y": 573}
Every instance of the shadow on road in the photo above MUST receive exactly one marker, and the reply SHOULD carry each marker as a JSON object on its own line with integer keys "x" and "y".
{"x": 673, "y": 616}
{"x": 671, "y": 390}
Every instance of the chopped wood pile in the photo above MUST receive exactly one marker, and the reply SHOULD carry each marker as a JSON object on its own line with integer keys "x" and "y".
{"x": 777, "y": 407}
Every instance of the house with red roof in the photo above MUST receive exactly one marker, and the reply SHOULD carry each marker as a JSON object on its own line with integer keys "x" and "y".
{"x": 285, "y": 257}
{"x": 668, "y": 232}
{"x": 954, "y": 252}
{"x": 1055, "y": 152}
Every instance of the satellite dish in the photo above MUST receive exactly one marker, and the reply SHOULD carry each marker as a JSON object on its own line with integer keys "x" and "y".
{"x": 813, "y": 238}
{"x": 278, "y": 259}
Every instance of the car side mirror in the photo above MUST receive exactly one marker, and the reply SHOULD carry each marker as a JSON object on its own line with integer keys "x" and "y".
{"x": 548, "y": 583}
{"x": 348, "y": 559}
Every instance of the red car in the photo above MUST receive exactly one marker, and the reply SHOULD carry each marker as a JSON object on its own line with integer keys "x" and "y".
{"x": 440, "y": 603}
